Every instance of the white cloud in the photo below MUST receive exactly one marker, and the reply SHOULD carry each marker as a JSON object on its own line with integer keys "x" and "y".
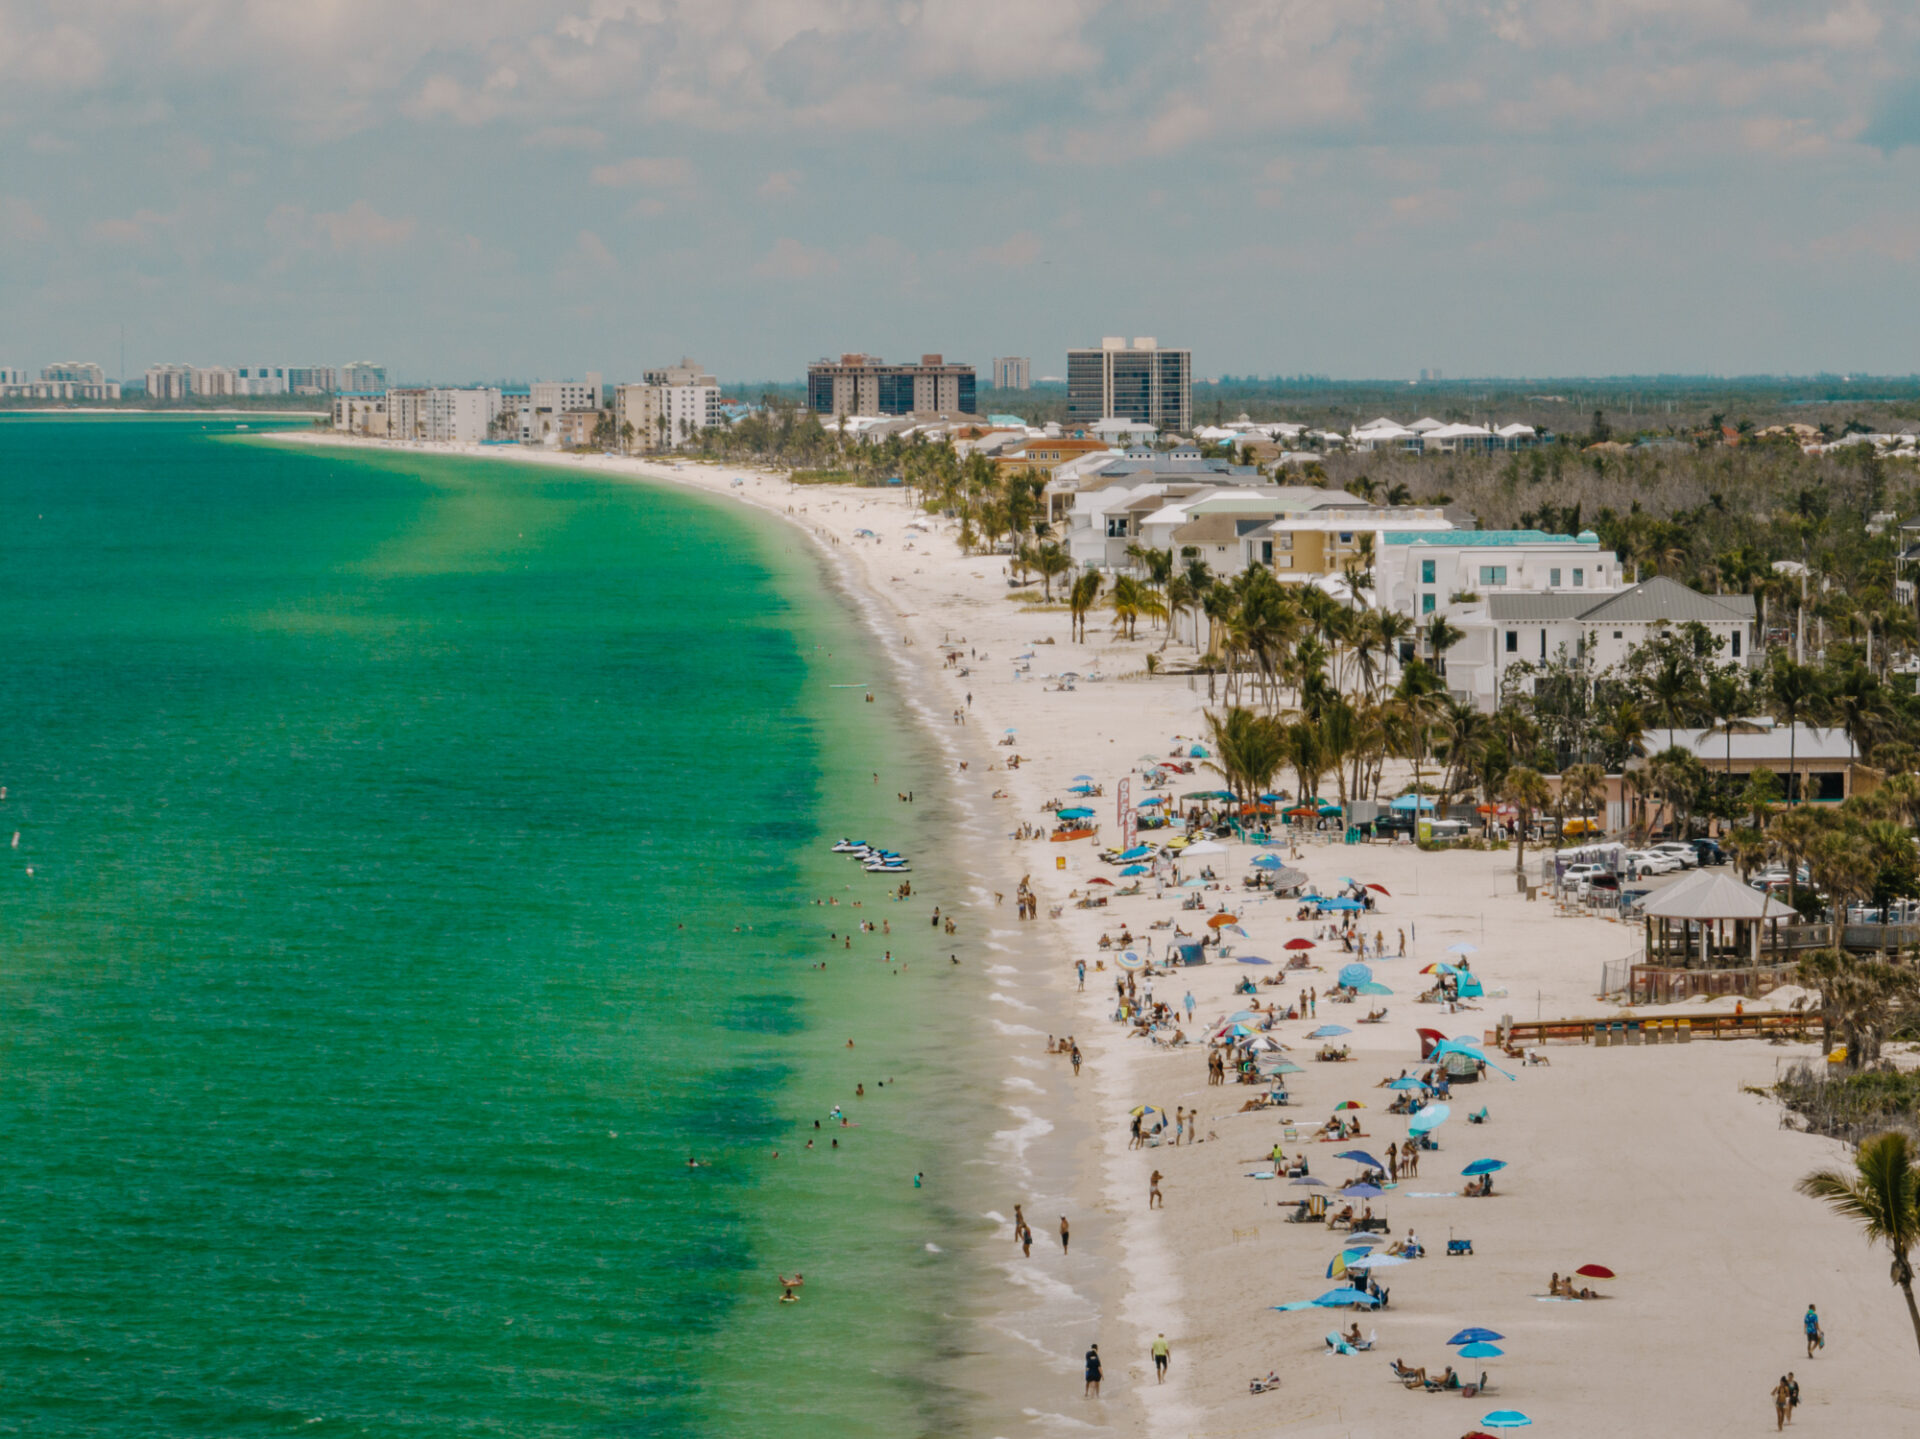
{"x": 20, "y": 222}
{"x": 566, "y": 137}
{"x": 357, "y": 231}
{"x": 780, "y": 185}
{"x": 644, "y": 170}
{"x": 791, "y": 260}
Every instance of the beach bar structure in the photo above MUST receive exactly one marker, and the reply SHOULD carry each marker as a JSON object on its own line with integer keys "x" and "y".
{"x": 1709, "y": 934}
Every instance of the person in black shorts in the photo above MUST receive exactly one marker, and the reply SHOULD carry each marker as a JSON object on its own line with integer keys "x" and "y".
{"x": 1093, "y": 1370}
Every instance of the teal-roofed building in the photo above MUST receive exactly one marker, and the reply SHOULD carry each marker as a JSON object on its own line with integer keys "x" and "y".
{"x": 1422, "y": 573}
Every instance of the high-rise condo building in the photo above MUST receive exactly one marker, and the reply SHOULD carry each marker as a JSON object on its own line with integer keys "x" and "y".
{"x": 169, "y": 382}
{"x": 1012, "y": 372}
{"x": 868, "y": 385}
{"x": 1139, "y": 382}
{"x": 361, "y": 377}
{"x": 667, "y": 407}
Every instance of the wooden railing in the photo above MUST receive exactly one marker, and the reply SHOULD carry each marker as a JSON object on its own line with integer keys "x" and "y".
{"x": 1755, "y": 1024}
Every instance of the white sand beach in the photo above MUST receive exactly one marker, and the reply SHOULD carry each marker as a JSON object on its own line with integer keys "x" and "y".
{"x": 1655, "y": 1162}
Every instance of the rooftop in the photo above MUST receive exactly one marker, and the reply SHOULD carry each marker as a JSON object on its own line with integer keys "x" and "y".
{"x": 1482, "y": 539}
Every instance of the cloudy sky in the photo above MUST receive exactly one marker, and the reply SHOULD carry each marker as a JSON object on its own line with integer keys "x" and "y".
{"x": 1349, "y": 187}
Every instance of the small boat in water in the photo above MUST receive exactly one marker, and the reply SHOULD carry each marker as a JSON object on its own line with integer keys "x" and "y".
{"x": 851, "y": 846}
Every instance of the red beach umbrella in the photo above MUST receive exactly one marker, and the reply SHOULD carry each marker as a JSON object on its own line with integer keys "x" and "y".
{"x": 1595, "y": 1271}
{"x": 1298, "y": 944}
{"x": 1380, "y": 888}
{"x": 1107, "y": 882}
{"x": 1220, "y": 920}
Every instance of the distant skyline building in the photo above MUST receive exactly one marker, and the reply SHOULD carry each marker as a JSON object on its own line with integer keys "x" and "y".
{"x": 667, "y": 407}
{"x": 169, "y": 382}
{"x": 1139, "y": 381}
{"x": 1012, "y": 372}
{"x": 362, "y": 377}
{"x": 62, "y": 380}
{"x": 857, "y": 384}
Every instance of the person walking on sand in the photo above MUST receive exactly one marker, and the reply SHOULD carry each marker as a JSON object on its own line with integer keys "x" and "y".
{"x": 1780, "y": 1405}
{"x": 1155, "y": 1200}
{"x": 1162, "y": 1355}
{"x": 1093, "y": 1370}
{"x": 1065, "y": 1234}
{"x": 1815, "y": 1339}
{"x": 1076, "y": 1061}
{"x": 1793, "y": 1395}
{"x": 1081, "y": 969}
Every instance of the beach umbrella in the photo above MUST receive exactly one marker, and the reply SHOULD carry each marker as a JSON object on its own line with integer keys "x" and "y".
{"x": 1240, "y": 1014}
{"x": 1309, "y": 1181}
{"x": 1381, "y": 889}
{"x": 1476, "y": 1336}
{"x": 1505, "y": 1419}
{"x": 1205, "y": 846}
{"x": 1083, "y": 779}
{"x": 1012, "y": 731}
{"x": 1481, "y": 1351}
{"x": 1355, "y": 1241}
{"x": 1139, "y": 851}
{"x": 1151, "y": 802}
{"x": 1346, "y": 1104}
{"x": 1221, "y": 921}
{"x": 1432, "y": 1117}
{"x": 1408, "y": 802}
{"x": 1353, "y": 974}
{"x": 1484, "y": 1166}
{"x": 1080, "y": 789}
{"x": 1267, "y": 861}
{"x": 1329, "y": 1031}
{"x": 1595, "y": 1271}
{"x": 1408, "y": 1083}
{"x": 1341, "y": 904}
{"x": 1284, "y": 1067}
{"x": 1341, "y": 1298}
{"x": 1130, "y": 960}
{"x": 1361, "y": 1191}
{"x": 1101, "y": 879}
{"x": 1197, "y": 752}
{"x": 1298, "y": 944}
{"x": 1077, "y": 812}
{"x": 1134, "y": 869}
{"x": 1194, "y": 884}
{"x": 1439, "y": 967}
{"x": 1371, "y": 988}
{"x": 1377, "y": 1261}
{"x": 1273, "y": 799}
{"x": 1240, "y": 1031}
{"x": 1144, "y": 1112}
{"x": 1463, "y": 948}
{"x": 1233, "y": 929}
{"x": 1253, "y": 958}
{"x": 1360, "y": 1156}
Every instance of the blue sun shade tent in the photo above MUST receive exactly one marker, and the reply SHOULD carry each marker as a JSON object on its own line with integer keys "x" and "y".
{"x": 1407, "y": 803}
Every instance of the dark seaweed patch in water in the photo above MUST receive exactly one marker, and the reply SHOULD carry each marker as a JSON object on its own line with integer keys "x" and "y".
{"x": 733, "y": 1106}
{"x": 766, "y": 1014}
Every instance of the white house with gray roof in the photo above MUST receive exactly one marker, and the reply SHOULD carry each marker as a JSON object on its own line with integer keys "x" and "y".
{"x": 1511, "y": 628}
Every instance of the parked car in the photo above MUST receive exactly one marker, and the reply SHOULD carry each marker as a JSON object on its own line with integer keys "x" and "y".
{"x": 1579, "y": 878}
{"x": 1681, "y": 850}
{"x": 1709, "y": 851}
{"x": 1652, "y": 861}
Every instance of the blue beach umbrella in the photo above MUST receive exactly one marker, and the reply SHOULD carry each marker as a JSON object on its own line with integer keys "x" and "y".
{"x": 1506, "y": 1419}
{"x": 1476, "y": 1336}
{"x": 1370, "y": 988}
{"x": 1267, "y": 861}
{"x": 1149, "y": 803}
{"x": 1481, "y": 1351}
{"x": 1378, "y": 1261}
{"x": 1086, "y": 778}
{"x": 1130, "y": 960}
{"x": 1197, "y": 752}
{"x": 1432, "y": 1117}
{"x": 1484, "y": 1166}
{"x": 1463, "y": 948}
{"x": 1132, "y": 870}
{"x": 1139, "y": 851}
{"x": 1080, "y": 789}
{"x": 1407, "y": 1083}
{"x": 1360, "y": 1156}
{"x": 1407, "y": 803}
{"x": 1076, "y": 814}
{"x": 1309, "y": 1181}
{"x": 1252, "y": 958}
{"x": 1353, "y": 974}
{"x": 1329, "y": 1031}
{"x": 1341, "y": 904}
{"x": 1341, "y": 1298}
{"x": 1361, "y": 1191}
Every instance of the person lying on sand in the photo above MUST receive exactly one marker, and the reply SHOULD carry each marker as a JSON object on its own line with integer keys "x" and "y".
{"x": 1376, "y": 1016}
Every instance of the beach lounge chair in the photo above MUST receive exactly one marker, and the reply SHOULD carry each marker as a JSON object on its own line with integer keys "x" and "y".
{"x": 1480, "y": 1118}
{"x": 1459, "y": 1246}
{"x": 1337, "y": 1345}
{"x": 1373, "y": 1337}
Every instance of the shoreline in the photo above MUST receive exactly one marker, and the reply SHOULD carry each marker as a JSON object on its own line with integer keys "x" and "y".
{"x": 1653, "y": 1162}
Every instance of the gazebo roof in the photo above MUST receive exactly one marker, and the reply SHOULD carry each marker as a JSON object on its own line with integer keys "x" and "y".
{"x": 1705, "y": 895}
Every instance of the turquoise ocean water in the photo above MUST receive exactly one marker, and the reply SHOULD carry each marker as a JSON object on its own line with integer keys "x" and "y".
{"x": 422, "y": 856}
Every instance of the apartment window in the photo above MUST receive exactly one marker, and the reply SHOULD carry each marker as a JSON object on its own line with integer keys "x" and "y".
{"x": 1617, "y": 634}
{"x": 1736, "y": 644}
{"x": 1543, "y": 644}
{"x": 1579, "y": 578}
{"x": 1346, "y": 537}
{"x": 1426, "y": 604}
{"x": 1513, "y": 642}
{"x": 1553, "y": 579}
{"x": 1426, "y": 572}
{"x": 1493, "y": 574}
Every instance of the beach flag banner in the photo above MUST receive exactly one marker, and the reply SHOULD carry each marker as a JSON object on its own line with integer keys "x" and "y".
{"x": 1129, "y": 821}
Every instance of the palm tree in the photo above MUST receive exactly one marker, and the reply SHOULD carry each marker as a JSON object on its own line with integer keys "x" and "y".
{"x": 1248, "y": 750}
{"x": 1671, "y": 687}
{"x": 1438, "y": 636}
{"x": 1581, "y": 785}
{"x": 1050, "y": 560}
{"x": 1526, "y": 790}
{"x": 1723, "y": 701}
{"x": 1086, "y": 589}
{"x": 1882, "y": 1197}
{"x": 1795, "y": 689}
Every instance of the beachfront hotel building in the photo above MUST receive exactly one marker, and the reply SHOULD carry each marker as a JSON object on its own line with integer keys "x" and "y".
{"x": 361, "y": 415}
{"x": 669, "y": 406}
{"x": 867, "y": 385}
{"x": 1140, "y": 382}
{"x": 1012, "y": 372}
{"x": 442, "y": 416}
